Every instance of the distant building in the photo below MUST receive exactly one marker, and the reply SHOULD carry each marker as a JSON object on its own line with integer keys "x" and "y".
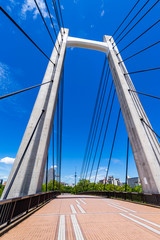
{"x": 4, "y": 184}
{"x": 132, "y": 182}
{"x": 1, "y": 181}
{"x": 50, "y": 175}
{"x": 112, "y": 180}
{"x": 64, "y": 184}
{"x": 102, "y": 181}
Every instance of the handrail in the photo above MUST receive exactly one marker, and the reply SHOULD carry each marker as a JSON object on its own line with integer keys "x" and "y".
{"x": 11, "y": 209}
{"x": 149, "y": 198}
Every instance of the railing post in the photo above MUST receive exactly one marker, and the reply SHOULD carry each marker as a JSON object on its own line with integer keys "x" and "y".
{"x": 29, "y": 204}
{"x": 10, "y": 219}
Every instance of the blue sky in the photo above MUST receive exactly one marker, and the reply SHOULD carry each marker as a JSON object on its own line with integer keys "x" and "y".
{"x": 21, "y": 66}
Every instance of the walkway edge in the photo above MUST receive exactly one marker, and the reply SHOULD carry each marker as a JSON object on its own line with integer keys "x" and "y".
{"x": 22, "y": 218}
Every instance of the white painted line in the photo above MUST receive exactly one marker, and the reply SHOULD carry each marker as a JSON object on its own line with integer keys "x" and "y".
{"x": 124, "y": 208}
{"x": 142, "y": 224}
{"x": 82, "y": 201}
{"x": 142, "y": 219}
{"x": 76, "y": 227}
{"x": 118, "y": 208}
{"x": 72, "y": 208}
{"x": 111, "y": 202}
{"x": 61, "y": 232}
{"x": 81, "y": 209}
{"x": 77, "y": 202}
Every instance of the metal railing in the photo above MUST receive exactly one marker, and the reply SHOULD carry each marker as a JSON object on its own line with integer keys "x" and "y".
{"x": 11, "y": 209}
{"x": 148, "y": 198}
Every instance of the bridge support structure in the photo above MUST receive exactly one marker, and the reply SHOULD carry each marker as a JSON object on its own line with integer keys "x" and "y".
{"x": 144, "y": 143}
{"x": 26, "y": 176}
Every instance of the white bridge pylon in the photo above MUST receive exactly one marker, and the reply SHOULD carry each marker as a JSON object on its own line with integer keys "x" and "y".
{"x": 27, "y": 173}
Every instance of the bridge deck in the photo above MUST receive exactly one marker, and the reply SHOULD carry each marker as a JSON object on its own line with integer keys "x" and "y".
{"x": 85, "y": 217}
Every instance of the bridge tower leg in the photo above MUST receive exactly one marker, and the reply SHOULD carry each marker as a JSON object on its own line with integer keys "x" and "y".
{"x": 27, "y": 173}
{"x": 144, "y": 143}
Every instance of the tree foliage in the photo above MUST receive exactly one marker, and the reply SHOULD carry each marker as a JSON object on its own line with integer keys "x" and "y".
{"x": 85, "y": 185}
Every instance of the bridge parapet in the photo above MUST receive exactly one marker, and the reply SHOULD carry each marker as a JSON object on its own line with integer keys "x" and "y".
{"x": 148, "y": 198}
{"x": 12, "y": 209}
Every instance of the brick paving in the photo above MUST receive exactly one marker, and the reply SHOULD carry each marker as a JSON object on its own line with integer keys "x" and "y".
{"x": 96, "y": 218}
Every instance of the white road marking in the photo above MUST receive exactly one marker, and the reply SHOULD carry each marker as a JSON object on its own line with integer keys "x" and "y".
{"x": 81, "y": 209}
{"x": 72, "y": 208}
{"x": 124, "y": 208}
{"x": 61, "y": 232}
{"x": 82, "y": 201}
{"x": 76, "y": 227}
{"x": 142, "y": 219}
{"x": 77, "y": 202}
{"x": 142, "y": 224}
{"x": 118, "y": 208}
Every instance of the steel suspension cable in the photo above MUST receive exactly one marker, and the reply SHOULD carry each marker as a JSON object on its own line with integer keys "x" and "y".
{"x": 145, "y": 94}
{"x": 11, "y": 19}
{"x": 140, "y": 51}
{"x": 23, "y": 90}
{"x": 104, "y": 136}
{"x": 61, "y": 125}
{"x": 137, "y": 23}
{"x": 57, "y": 138}
{"x": 127, "y": 165}
{"x": 97, "y": 119}
{"x": 132, "y": 20}
{"x": 114, "y": 138}
{"x": 96, "y": 113}
{"x": 51, "y": 20}
{"x": 93, "y": 119}
{"x": 139, "y": 36}
{"x": 46, "y": 173}
{"x": 61, "y": 14}
{"x": 145, "y": 70}
{"x": 53, "y": 157}
{"x": 45, "y": 24}
{"x": 125, "y": 18}
{"x": 100, "y": 133}
{"x": 150, "y": 127}
{"x": 57, "y": 16}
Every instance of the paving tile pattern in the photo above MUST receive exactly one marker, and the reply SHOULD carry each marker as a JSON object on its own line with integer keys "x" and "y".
{"x": 101, "y": 219}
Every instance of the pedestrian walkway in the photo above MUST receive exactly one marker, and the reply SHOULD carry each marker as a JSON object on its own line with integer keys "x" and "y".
{"x": 70, "y": 217}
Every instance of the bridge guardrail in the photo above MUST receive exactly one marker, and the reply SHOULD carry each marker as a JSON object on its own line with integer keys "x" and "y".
{"x": 148, "y": 198}
{"x": 11, "y": 209}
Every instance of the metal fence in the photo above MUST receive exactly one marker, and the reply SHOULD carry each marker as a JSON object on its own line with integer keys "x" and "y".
{"x": 11, "y": 209}
{"x": 148, "y": 198}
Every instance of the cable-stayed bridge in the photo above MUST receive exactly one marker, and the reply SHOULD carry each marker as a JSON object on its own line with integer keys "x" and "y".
{"x": 72, "y": 214}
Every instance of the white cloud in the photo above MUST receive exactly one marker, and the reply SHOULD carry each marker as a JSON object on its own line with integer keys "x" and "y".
{"x": 55, "y": 166}
{"x": 102, "y": 13}
{"x": 5, "y": 177}
{"x": 9, "y": 9}
{"x": 62, "y": 7}
{"x": 29, "y": 5}
{"x": 7, "y": 160}
{"x": 102, "y": 4}
{"x": 115, "y": 160}
{"x": 5, "y": 78}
